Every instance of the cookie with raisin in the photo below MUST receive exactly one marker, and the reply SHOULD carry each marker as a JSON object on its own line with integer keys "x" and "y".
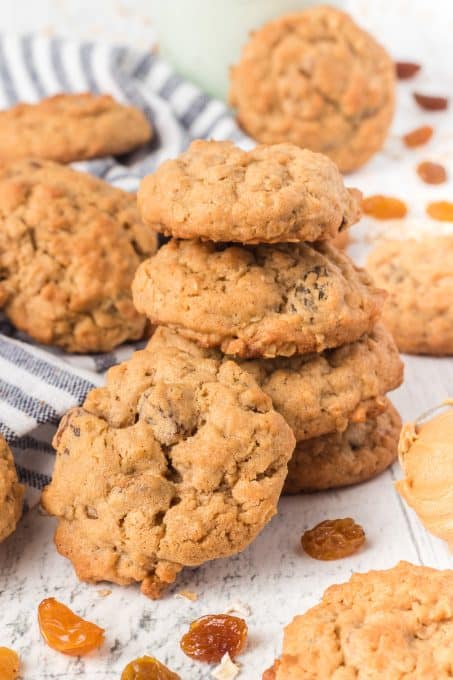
{"x": 258, "y": 301}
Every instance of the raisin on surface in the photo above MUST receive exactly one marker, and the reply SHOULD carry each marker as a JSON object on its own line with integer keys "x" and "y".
{"x": 333, "y": 539}
{"x": 431, "y": 103}
{"x": 440, "y": 210}
{"x": 384, "y": 207}
{"x": 406, "y": 69}
{"x": 418, "y": 137}
{"x": 147, "y": 668}
{"x": 211, "y": 637}
{"x": 66, "y": 632}
{"x": 9, "y": 664}
{"x": 431, "y": 173}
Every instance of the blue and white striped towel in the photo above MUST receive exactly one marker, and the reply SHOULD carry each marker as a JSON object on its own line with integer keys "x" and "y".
{"x": 38, "y": 384}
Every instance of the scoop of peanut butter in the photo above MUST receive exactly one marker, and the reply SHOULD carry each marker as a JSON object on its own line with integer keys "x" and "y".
{"x": 426, "y": 456}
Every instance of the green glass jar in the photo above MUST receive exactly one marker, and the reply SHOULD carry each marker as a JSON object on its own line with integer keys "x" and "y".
{"x": 203, "y": 38}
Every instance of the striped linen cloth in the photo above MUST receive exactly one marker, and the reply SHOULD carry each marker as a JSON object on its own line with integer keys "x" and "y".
{"x": 38, "y": 384}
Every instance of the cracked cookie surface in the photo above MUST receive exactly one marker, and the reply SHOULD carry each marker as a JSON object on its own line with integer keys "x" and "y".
{"x": 71, "y": 127}
{"x": 363, "y": 450}
{"x": 418, "y": 275}
{"x": 317, "y": 393}
{"x": 69, "y": 247}
{"x": 11, "y": 492}
{"x": 316, "y": 79}
{"x": 218, "y": 192}
{"x": 255, "y": 301}
{"x": 176, "y": 461}
{"x": 394, "y": 624}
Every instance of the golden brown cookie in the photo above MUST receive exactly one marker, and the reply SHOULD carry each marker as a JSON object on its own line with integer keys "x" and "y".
{"x": 341, "y": 240}
{"x": 258, "y": 300}
{"x": 316, "y": 79}
{"x": 176, "y": 461}
{"x": 11, "y": 492}
{"x": 218, "y": 192}
{"x": 337, "y": 459}
{"x": 317, "y": 393}
{"x": 69, "y": 248}
{"x": 418, "y": 276}
{"x": 395, "y": 624}
{"x": 71, "y": 127}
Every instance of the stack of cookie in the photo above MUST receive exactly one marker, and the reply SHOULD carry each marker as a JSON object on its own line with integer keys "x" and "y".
{"x": 249, "y": 273}
{"x": 182, "y": 456}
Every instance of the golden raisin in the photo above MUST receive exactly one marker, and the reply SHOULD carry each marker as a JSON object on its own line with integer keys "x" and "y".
{"x": 66, "y": 632}
{"x": 210, "y": 637}
{"x": 333, "y": 539}
{"x": 384, "y": 207}
{"x": 431, "y": 173}
{"x": 419, "y": 136}
{"x": 406, "y": 69}
{"x": 440, "y": 210}
{"x": 9, "y": 664}
{"x": 431, "y": 103}
{"x": 147, "y": 668}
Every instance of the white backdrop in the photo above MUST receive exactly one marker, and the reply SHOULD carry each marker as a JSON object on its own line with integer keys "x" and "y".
{"x": 273, "y": 577}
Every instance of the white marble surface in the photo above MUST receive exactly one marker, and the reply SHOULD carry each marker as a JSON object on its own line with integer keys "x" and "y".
{"x": 273, "y": 576}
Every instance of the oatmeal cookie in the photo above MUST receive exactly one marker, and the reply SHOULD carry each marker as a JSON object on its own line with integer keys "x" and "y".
{"x": 317, "y": 393}
{"x": 69, "y": 248}
{"x": 362, "y": 451}
{"x": 281, "y": 193}
{"x": 316, "y": 79}
{"x": 11, "y": 492}
{"x": 418, "y": 276}
{"x": 255, "y": 301}
{"x": 341, "y": 240}
{"x": 71, "y": 127}
{"x": 176, "y": 461}
{"x": 395, "y": 624}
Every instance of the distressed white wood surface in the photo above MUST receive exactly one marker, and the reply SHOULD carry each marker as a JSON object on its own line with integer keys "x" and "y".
{"x": 273, "y": 576}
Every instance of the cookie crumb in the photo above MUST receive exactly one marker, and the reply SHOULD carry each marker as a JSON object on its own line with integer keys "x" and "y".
{"x": 407, "y": 438}
{"x": 187, "y": 595}
{"x": 239, "y": 608}
{"x": 105, "y": 592}
{"x": 226, "y": 670}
